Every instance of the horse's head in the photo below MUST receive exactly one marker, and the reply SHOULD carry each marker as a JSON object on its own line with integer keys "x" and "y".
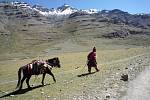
{"x": 54, "y": 62}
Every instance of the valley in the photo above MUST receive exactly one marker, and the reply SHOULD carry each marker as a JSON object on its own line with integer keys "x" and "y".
{"x": 122, "y": 41}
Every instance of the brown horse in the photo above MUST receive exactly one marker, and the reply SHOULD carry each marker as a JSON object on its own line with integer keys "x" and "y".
{"x": 37, "y": 67}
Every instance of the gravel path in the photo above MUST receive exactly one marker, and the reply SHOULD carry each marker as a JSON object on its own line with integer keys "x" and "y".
{"x": 110, "y": 87}
{"x": 139, "y": 88}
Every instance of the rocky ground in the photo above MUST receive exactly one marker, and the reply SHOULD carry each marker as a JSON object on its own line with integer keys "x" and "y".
{"x": 139, "y": 88}
{"x": 76, "y": 84}
{"x": 122, "y": 41}
{"x": 112, "y": 86}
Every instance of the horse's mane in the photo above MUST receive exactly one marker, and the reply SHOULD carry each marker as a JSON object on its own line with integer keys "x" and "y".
{"x": 50, "y": 60}
{"x": 33, "y": 61}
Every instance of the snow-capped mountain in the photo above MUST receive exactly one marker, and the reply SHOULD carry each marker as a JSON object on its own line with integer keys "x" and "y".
{"x": 21, "y": 4}
{"x": 91, "y": 11}
{"x": 62, "y": 10}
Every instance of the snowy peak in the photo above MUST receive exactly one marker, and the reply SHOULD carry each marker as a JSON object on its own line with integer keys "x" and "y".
{"x": 63, "y": 7}
{"x": 21, "y": 4}
{"x": 62, "y": 10}
{"x": 65, "y": 10}
{"x": 66, "y": 7}
{"x": 40, "y": 8}
{"x": 91, "y": 11}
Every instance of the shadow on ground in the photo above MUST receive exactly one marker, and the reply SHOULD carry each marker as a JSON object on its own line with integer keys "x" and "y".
{"x": 85, "y": 74}
{"x": 22, "y": 91}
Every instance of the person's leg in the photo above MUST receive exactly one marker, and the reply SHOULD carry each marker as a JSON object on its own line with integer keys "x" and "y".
{"x": 89, "y": 69}
{"x": 96, "y": 68}
{"x": 95, "y": 64}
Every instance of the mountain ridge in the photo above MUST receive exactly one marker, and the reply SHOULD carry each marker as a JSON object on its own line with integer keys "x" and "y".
{"x": 62, "y": 10}
{"x": 32, "y": 29}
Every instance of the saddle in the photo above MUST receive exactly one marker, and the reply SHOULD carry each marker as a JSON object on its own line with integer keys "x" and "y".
{"x": 36, "y": 67}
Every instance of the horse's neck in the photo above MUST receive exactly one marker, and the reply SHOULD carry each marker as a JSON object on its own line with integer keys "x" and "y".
{"x": 51, "y": 64}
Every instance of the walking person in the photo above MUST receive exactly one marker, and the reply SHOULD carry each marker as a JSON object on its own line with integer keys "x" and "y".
{"x": 91, "y": 60}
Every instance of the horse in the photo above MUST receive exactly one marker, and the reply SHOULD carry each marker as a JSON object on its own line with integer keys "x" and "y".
{"x": 37, "y": 67}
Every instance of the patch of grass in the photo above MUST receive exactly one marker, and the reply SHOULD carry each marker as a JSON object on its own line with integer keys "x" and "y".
{"x": 68, "y": 82}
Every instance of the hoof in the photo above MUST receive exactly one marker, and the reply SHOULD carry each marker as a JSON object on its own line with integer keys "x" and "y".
{"x": 20, "y": 88}
{"x": 43, "y": 84}
{"x": 29, "y": 88}
{"x": 97, "y": 70}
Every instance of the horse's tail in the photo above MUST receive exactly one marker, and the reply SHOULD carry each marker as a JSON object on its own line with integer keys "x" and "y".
{"x": 19, "y": 77}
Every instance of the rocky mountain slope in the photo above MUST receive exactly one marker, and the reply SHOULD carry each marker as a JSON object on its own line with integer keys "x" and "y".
{"x": 24, "y": 28}
{"x": 122, "y": 41}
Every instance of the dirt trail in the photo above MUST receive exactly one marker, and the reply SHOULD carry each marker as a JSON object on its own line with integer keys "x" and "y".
{"x": 139, "y": 88}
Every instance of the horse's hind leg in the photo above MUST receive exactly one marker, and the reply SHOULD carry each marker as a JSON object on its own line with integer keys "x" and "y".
{"x": 27, "y": 81}
{"x": 43, "y": 78}
{"x": 22, "y": 82}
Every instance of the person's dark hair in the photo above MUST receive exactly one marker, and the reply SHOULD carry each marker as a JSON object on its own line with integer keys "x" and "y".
{"x": 94, "y": 49}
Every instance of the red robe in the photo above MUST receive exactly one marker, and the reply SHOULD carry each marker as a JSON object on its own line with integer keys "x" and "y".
{"x": 92, "y": 56}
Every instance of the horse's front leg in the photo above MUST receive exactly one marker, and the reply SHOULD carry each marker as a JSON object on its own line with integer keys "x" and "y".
{"x": 43, "y": 78}
{"x": 27, "y": 81}
{"x": 50, "y": 73}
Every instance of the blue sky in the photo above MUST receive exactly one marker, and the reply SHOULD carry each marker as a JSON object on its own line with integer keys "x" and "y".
{"x": 131, "y": 6}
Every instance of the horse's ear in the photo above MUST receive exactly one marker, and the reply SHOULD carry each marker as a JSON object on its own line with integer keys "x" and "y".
{"x": 48, "y": 60}
{"x": 57, "y": 58}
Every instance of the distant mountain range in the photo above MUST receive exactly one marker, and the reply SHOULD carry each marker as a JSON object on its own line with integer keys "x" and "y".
{"x": 63, "y": 10}
{"x": 115, "y": 16}
{"x": 35, "y": 25}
